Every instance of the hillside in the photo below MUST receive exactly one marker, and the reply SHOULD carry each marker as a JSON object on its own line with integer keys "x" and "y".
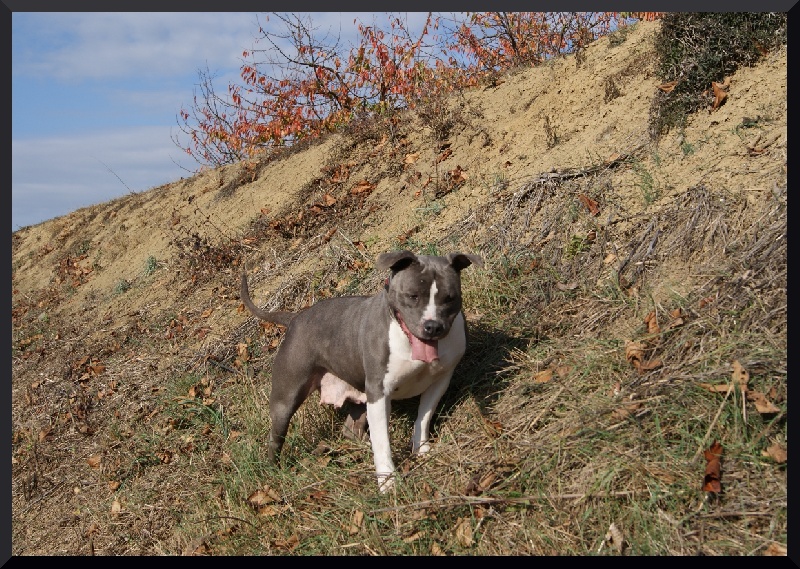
{"x": 140, "y": 385}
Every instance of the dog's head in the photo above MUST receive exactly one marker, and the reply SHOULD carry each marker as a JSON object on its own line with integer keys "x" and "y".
{"x": 425, "y": 295}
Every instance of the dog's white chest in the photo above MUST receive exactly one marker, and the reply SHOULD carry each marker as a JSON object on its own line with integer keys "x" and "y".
{"x": 406, "y": 377}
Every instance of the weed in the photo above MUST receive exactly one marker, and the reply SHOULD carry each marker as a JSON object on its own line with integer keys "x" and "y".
{"x": 612, "y": 90}
{"x": 122, "y": 286}
{"x": 550, "y": 132}
{"x": 83, "y": 247}
{"x": 575, "y": 246}
{"x": 150, "y": 266}
{"x": 620, "y": 36}
{"x": 435, "y": 112}
{"x": 647, "y": 183}
{"x": 434, "y": 207}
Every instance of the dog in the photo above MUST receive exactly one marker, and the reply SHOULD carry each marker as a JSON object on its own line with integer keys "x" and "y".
{"x": 403, "y": 342}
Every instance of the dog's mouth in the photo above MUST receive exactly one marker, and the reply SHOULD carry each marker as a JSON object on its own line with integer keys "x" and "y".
{"x": 422, "y": 350}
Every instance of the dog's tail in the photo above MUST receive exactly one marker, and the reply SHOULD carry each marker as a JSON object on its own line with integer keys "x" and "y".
{"x": 282, "y": 318}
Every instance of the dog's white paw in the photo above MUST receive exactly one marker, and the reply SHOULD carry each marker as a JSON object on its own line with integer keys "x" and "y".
{"x": 422, "y": 448}
{"x": 385, "y": 483}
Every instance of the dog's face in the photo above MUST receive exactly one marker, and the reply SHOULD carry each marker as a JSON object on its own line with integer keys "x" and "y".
{"x": 425, "y": 292}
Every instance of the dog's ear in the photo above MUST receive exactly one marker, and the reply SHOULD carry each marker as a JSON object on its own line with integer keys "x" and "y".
{"x": 396, "y": 260}
{"x": 463, "y": 260}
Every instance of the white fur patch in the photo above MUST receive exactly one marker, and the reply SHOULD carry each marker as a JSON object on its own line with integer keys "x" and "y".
{"x": 430, "y": 310}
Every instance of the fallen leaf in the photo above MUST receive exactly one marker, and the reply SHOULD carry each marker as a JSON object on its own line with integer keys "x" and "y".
{"x": 776, "y": 452}
{"x": 206, "y": 313}
{"x": 711, "y": 480}
{"x": 634, "y": 353}
{"x": 740, "y": 376}
{"x": 705, "y": 301}
{"x": 94, "y": 461}
{"x": 567, "y": 286}
{"x": 197, "y": 546}
{"x": 444, "y": 155}
{"x": 328, "y": 200}
{"x": 116, "y": 508}
{"x": 614, "y": 538}
{"x": 458, "y": 175}
{"x": 363, "y": 187}
{"x": 331, "y": 232}
{"x": 763, "y": 405}
{"x": 413, "y": 537}
{"x": 355, "y": 522}
{"x": 589, "y": 203}
{"x": 113, "y": 485}
{"x": 652, "y": 323}
{"x": 775, "y": 549}
{"x": 262, "y": 497}
{"x": 563, "y": 371}
{"x": 720, "y": 94}
{"x": 677, "y": 319}
{"x": 436, "y": 549}
{"x": 626, "y": 410}
{"x": 271, "y": 510}
{"x": 718, "y": 388}
{"x": 650, "y": 365}
{"x": 288, "y": 544}
{"x": 486, "y": 482}
{"x": 668, "y": 87}
{"x": 543, "y": 376}
{"x": 463, "y": 531}
{"x": 412, "y": 157}
{"x": 493, "y": 428}
{"x": 93, "y": 528}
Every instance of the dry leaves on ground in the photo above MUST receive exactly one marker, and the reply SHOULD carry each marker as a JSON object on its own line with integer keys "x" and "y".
{"x": 711, "y": 480}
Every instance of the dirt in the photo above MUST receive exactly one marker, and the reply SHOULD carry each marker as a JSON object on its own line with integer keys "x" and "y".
{"x": 163, "y": 264}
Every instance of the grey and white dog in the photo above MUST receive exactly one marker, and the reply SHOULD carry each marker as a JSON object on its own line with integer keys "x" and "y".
{"x": 404, "y": 341}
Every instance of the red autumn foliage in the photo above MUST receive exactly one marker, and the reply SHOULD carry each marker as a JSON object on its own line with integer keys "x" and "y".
{"x": 299, "y": 84}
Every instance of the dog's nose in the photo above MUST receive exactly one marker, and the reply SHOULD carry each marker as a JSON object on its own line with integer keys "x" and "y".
{"x": 432, "y": 328}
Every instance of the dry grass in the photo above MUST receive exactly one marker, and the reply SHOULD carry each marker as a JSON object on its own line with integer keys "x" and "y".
{"x": 549, "y": 442}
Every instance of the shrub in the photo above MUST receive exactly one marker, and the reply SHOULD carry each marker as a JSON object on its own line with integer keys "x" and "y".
{"x": 695, "y": 49}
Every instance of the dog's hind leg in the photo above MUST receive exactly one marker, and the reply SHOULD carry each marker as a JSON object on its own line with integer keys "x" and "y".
{"x": 285, "y": 400}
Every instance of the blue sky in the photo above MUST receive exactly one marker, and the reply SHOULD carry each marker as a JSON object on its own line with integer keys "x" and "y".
{"x": 95, "y": 98}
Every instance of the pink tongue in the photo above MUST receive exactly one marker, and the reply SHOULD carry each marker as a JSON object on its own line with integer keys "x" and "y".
{"x": 422, "y": 350}
{"x": 425, "y": 350}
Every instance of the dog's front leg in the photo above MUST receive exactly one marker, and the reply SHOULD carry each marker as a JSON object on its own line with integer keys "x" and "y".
{"x": 420, "y": 440}
{"x": 378, "y": 417}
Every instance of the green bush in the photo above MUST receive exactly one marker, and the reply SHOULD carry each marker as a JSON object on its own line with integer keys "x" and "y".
{"x": 696, "y": 48}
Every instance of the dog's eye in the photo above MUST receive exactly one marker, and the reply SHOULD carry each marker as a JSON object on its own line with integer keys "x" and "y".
{"x": 449, "y": 298}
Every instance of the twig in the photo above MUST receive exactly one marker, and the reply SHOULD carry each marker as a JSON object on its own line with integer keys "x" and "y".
{"x": 115, "y": 174}
{"x": 714, "y": 422}
{"x": 454, "y": 501}
{"x": 227, "y": 518}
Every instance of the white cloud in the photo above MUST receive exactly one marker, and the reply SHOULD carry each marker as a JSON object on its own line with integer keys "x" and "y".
{"x": 54, "y": 176}
{"x": 81, "y": 46}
